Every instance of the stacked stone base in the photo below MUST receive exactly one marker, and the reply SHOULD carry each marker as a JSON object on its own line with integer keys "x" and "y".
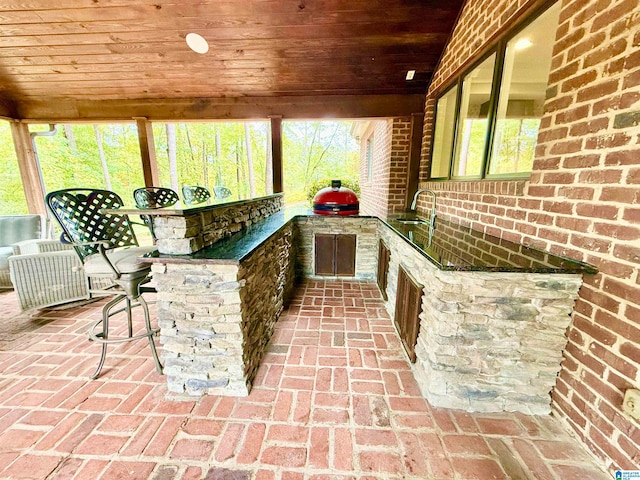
{"x": 216, "y": 319}
{"x": 493, "y": 342}
{"x": 488, "y": 341}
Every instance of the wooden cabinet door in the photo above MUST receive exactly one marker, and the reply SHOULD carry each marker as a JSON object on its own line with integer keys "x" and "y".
{"x": 325, "y": 254}
{"x": 345, "y": 260}
{"x": 383, "y": 268}
{"x": 335, "y": 255}
{"x": 407, "y": 313}
{"x": 412, "y": 326}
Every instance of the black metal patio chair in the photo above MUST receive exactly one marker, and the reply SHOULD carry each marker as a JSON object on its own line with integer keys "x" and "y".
{"x": 108, "y": 249}
{"x": 153, "y": 197}
{"x": 221, "y": 192}
{"x": 194, "y": 194}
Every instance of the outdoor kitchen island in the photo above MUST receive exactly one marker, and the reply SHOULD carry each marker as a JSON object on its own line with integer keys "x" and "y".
{"x": 493, "y": 313}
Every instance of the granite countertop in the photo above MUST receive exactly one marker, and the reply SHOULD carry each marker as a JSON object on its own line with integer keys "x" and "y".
{"x": 238, "y": 246}
{"x": 450, "y": 247}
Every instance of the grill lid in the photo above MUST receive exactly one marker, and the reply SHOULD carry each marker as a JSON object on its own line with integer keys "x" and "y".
{"x": 336, "y": 200}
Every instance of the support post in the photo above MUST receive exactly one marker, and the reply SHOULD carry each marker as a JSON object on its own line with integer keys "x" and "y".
{"x": 415, "y": 148}
{"x": 147, "y": 152}
{"x": 276, "y": 153}
{"x": 32, "y": 182}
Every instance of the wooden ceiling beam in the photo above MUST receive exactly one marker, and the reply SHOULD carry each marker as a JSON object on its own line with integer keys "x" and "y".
{"x": 241, "y": 108}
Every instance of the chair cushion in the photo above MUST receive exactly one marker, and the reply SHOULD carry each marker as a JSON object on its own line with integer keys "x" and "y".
{"x": 15, "y": 228}
{"x": 124, "y": 259}
{"x": 5, "y": 253}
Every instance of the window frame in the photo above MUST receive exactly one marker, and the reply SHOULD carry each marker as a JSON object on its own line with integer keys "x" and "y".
{"x": 499, "y": 49}
{"x": 457, "y": 87}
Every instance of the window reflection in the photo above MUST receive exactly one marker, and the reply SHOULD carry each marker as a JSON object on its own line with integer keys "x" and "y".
{"x": 522, "y": 94}
{"x": 473, "y": 122}
{"x": 443, "y": 134}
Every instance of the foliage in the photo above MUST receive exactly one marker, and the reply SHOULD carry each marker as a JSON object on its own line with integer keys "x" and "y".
{"x": 326, "y": 182}
{"x": 207, "y": 154}
{"x": 214, "y": 154}
{"x": 514, "y": 146}
{"x": 12, "y": 201}
{"x": 315, "y": 151}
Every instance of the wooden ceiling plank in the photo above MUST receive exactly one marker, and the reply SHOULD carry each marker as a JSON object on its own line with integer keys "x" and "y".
{"x": 248, "y": 64}
{"x": 179, "y": 22}
{"x": 72, "y": 56}
{"x": 213, "y": 7}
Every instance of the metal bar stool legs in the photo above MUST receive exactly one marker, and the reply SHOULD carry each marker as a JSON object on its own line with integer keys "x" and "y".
{"x": 103, "y": 336}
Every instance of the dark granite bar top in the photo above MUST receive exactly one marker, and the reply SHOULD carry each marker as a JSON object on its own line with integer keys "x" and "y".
{"x": 451, "y": 247}
{"x": 238, "y": 246}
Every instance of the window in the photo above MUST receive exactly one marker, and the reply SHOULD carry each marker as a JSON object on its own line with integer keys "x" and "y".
{"x": 473, "y": 121}
{"x": 444, "y": 133}
{"x": 522, "y": 93}
{"x": 491, "y": 131}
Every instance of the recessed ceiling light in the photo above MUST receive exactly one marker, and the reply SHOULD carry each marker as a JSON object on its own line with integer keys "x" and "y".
{"x": 410, "y": 74}
{"x": 522, "y": 44}
{"x": 197, "y": 43}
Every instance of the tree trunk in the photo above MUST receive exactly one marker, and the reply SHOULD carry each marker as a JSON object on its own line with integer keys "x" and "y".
{"x": 247, "y": 141}
{"x": 238, "y": 171}
{"x": 71, "y": 138}
{"x": 103, "y": 160}
{"x": 268, "y": 177}
{"x": 171, "y": 151}
{"x": 219, "y": 157}
{"x": 205, "y": 165}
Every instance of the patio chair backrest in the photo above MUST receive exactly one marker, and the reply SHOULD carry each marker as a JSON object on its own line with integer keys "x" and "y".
{"x": 154, "y": 197}
{"x": 221, "y": 192}
{"x": 78, "y": 211}
{"x": 194, "y": 194}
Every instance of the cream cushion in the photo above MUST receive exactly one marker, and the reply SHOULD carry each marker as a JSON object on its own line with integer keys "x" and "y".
{"x": 124, "y": 259}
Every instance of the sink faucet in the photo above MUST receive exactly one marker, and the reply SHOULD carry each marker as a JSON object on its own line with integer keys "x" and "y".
{"x": 432, "y": 218}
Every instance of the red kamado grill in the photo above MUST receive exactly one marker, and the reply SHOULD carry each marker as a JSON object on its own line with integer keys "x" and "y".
{"x": 336, "y": 200}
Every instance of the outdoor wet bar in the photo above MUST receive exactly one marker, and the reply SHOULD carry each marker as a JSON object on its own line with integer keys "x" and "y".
{"x": 216, "y": 307}
{"x": 491, "y": 314}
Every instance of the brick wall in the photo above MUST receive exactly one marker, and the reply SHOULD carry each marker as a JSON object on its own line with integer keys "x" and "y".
{"x": 581, "y": 200}
{"x": 399, "y": 163}
{"x": 385, "y": 192}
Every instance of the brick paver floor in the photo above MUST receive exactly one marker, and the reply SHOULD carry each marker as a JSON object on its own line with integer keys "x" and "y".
{"x": 333, "y": 400}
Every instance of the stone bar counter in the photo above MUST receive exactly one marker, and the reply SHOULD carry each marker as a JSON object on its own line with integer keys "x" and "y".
{"x": 493, "y": 319}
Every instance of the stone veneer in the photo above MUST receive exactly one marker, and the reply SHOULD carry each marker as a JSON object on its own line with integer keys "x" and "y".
{"x": 217, "y": 318}
{"x": 488, "y": 341}
{"x": 366, "y": 242}
{"x": 193, "y": 231}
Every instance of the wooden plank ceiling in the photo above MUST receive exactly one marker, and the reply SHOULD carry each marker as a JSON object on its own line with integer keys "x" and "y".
{"x": 90, "y": 53}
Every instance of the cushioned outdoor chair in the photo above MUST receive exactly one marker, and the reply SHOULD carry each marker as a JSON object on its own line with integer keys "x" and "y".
{"x": 17, "y": 228}
{"x": 107, "y": 247}
{"x": 46, "y": 273}
{"x": 194, "y": 194}
{"x": 153, "y": 197}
